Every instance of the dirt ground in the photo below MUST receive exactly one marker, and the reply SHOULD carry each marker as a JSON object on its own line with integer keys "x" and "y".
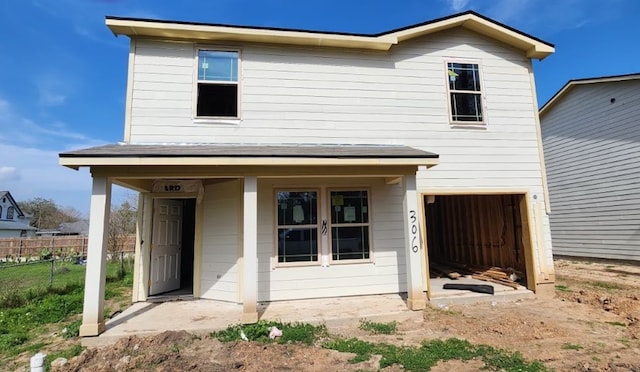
{"x": 591, "y": 325}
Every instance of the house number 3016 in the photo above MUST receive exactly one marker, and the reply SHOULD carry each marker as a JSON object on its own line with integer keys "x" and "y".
{"x": 414, "y": 231}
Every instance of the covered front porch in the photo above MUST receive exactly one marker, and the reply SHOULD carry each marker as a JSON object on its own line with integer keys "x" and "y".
{"x": 143, "y": 167}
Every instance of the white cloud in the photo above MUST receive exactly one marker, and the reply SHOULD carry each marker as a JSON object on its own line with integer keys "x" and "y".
{"x": 458, "y": 5}
{"x": 21, "y": 130}
{"x": 544, "y": 18}
{"x": 86, "y": 17}
{"x": 8, "y": 174}
{"x": 53, "y": 88}
{"x": 40, "y": 175}
{"x": 29, "y": 164}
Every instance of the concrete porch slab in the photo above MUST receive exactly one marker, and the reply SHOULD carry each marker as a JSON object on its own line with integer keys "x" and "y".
{"x": 203, "y": 316}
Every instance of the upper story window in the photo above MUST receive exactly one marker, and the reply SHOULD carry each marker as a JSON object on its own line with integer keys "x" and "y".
{"x": 465, "y": 93}
{"x": 10, "y": 212}
{"x": 217, "y": 83}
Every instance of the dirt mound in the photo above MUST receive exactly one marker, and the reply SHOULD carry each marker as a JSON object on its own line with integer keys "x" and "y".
{"x": 592, "y": 325}
{"x": 174, "y": 351}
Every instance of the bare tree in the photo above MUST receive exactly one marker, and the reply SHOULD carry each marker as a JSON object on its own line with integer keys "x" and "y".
{"x": 46, "y": 214}
{"x": 122, "y": 223}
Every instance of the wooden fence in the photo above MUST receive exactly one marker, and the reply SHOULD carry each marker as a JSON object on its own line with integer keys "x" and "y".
{"x": 15, "y": 249}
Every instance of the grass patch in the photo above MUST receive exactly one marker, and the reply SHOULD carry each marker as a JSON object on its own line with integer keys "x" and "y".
{"x": 378, "y": 328}
{"x": 431, "y": 352}
{"x": 37, "y": 274}
{"x": 259, "y": 332}
{"x": 562, "y": 288}
{"x": 617, "y": 324}
{"x": 606, "y": 285}
{"x": 569, "y": 346}
{"x": 24, "y": 311}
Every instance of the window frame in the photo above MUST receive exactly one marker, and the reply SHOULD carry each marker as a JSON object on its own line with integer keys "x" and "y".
{"x": 197, "y": 81}
{"x": 317, "y": 226}
{"x": 323, "y": 207}
{"x": 330, "y": 226}
{"x": 481, "y": 93}
{"x": 11, "y": 212}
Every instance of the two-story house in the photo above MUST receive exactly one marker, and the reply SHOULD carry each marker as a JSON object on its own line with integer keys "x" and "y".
{"x": 591, "y": 136}
{"x": 13, "y": 222}
{"x": 279, "y": 164}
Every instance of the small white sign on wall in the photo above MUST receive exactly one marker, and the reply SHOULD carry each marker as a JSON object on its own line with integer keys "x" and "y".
{"x": 349, "y": 214}
{"x": 298, "y": 214}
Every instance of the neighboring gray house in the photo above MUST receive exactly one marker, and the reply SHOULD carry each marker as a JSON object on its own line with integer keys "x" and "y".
{"x": 80, "y": 227}
{"x": 13, "y": 223}
{"x": 591, "y": 138}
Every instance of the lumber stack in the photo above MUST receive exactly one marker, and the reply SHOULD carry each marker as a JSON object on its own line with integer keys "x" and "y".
{"x": 507, "y": 277}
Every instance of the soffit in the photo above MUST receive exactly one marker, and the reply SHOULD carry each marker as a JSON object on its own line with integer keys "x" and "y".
{"x": 174, "y": 30}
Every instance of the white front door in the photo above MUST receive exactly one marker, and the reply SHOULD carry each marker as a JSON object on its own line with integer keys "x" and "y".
{"x": 166, "y": 246}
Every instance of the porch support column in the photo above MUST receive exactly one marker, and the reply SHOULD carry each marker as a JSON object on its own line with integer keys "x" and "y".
{"x": 415, "y": 297}
{"x": 92, "y": 313}
{"x": 250, "y": 251}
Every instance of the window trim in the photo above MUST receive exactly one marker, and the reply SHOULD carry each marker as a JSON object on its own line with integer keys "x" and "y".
{"x": 481, "y": 93}
{"x": 368, "y": 224}
{"x": 217, "y": 119}
{"x": 324, "y": 204}
{"x": 276, "y": 227}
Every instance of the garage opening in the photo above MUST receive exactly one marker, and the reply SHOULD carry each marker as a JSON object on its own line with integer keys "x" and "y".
{"x": 479, "y": 240}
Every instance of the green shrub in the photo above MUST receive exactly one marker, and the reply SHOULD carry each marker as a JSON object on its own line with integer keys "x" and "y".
{"x": 296, "y": 332}
{"x": 378, "y": 328}
{"x": 431, "y": 352}
{"x": 72, "y": 329}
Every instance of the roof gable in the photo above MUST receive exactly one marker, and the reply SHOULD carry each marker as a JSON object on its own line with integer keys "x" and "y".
{"x": 575, "y": 82}
{"x": 134, "y": 27}
{"x": 7, "y": 194}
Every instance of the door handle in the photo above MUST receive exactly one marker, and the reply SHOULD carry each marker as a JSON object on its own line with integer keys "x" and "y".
{"x": 324, "y": 227}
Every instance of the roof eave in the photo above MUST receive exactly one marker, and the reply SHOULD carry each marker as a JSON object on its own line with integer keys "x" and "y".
{"x": 572, "y": 83}
{"x": 75, "y": 162}
{"x": 212, "y": 33}
{"x": 532, "y": 47}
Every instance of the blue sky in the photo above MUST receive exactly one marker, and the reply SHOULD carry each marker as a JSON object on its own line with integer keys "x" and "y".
{"x": 63, "y": 74}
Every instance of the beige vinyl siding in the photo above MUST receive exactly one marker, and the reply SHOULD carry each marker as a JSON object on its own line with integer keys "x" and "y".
{"x": 221, "y": 237}
{"x": 306, "y": 95}
{"x": 592, "y": 152}
{"x": 321, "y": 95}
{"x": 386, "y": 274}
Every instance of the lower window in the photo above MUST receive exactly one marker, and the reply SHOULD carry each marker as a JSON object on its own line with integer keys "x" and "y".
{"x": 301, "y": 226}
{"x": 350, "y": 225}
{"x": 297, "y": 226}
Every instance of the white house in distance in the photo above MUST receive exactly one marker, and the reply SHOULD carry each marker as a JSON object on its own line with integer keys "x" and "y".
{"x": 591, "y": 136}
{"x": 13, "y": 222}
{"x": 279, "y": 164}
